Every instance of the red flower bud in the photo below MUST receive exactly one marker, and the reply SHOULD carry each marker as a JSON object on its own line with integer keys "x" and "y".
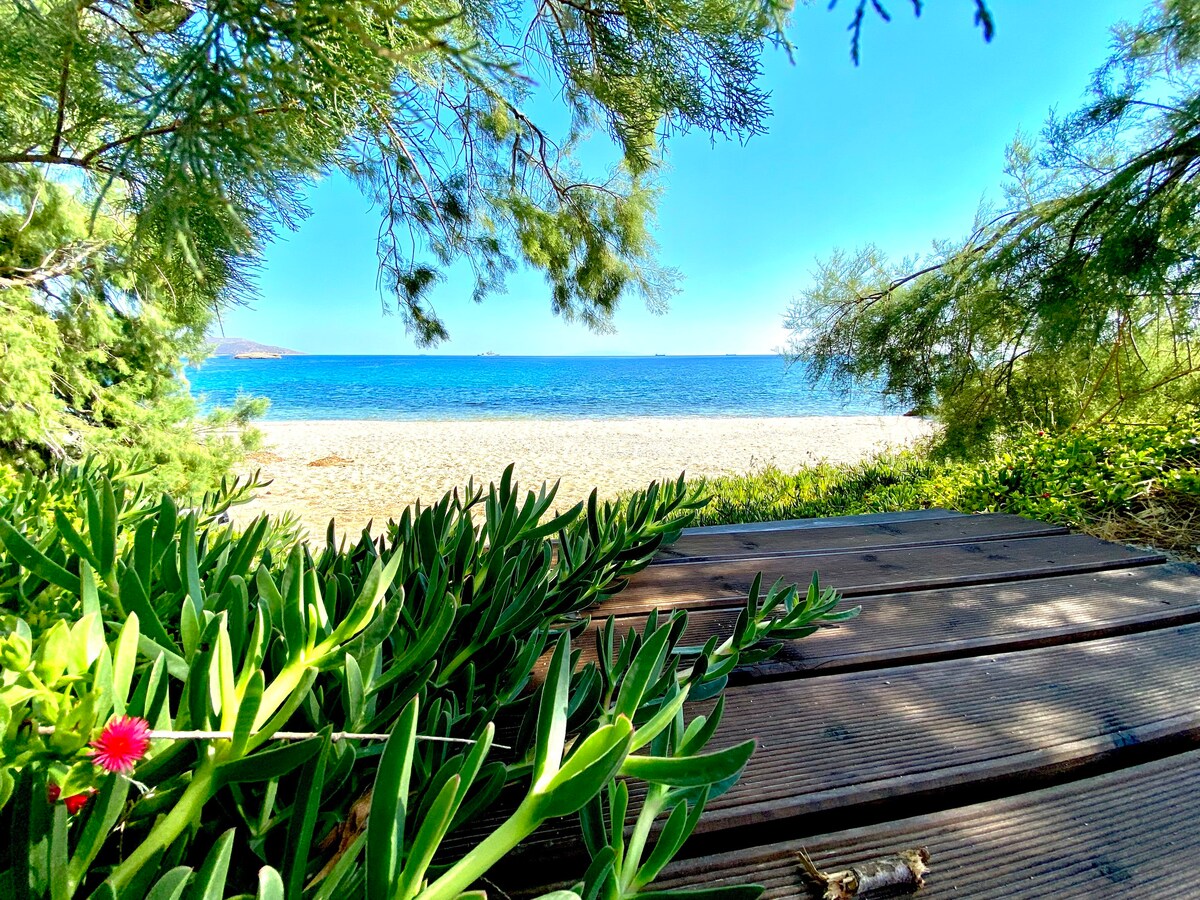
{"x": 74, "y": 803}
{"x": 79, "y": 801}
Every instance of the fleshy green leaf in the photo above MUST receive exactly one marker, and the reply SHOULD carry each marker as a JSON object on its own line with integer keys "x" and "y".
{"x": 210, "y": 881}
{"x": 31, "y": 558}
{"x": 172, "y": 885}
{"x": 270, "y": 885}
{"x": 587, "y": 770}
{"x": 268, "y": 764}
{"x": 552, "y": 714}
{"x": 389, "y": 799}
{"x": 647, "y": 665}
{"x": 689, "y": 771}
{"x": 303, "y": 822}
{"x": 102, "y": 813}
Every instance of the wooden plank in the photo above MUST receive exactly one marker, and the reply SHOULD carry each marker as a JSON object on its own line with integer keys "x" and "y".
{"x": 1127, "y": 833}
{"x": 921, "y": 626}
{"x": 715, "y": 584}
{"x": 892, "y": 736}
{"x": 891, "y": 742}
{"x": 868, "y": 536}
{"x": 908, "y": 515}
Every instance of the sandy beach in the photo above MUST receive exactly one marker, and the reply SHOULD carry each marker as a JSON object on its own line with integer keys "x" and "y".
{"x": 355, "y": 471}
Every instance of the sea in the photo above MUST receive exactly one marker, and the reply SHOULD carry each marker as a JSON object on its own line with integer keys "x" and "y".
{"x": 524, "y": 387}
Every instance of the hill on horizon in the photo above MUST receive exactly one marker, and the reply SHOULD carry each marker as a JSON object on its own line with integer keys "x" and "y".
{"x": 231, "y": 346}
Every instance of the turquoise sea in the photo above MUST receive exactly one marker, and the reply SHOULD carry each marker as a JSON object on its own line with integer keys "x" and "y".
{"x": 482, "y": 387}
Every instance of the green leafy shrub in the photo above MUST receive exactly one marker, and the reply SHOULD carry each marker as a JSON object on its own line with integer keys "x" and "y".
{"x": 1136, "y": 482}
{"x": 260, "y": 661}
{"x": 883, "y": 484}
{"x": 1129, "y": 482}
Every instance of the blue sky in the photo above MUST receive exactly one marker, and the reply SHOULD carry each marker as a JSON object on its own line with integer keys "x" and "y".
{"x": 896, "y": 152}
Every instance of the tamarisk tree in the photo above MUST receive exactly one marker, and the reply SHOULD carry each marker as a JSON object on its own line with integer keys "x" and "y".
{"x": 1074, "y": 303}
{"x": 150, "y": 149}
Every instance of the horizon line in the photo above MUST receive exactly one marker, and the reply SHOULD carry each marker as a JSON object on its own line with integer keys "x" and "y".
{"x": 488, "y": 355}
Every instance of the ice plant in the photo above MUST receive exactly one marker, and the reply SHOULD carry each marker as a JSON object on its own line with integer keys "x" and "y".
{"x": 122, "y": 743}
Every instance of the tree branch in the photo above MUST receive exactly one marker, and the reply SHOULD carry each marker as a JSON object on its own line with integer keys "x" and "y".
{"x": 71, "y": 260}
{"x": 437, "y": 211}
{"x": 52, "y": 159}
{"x": 178, "y": 124}
{"x": 88, "y": 160}
{"x": 61, "y": 116}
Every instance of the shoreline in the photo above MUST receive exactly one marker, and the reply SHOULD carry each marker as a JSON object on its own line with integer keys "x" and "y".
{"x": 355, "y": 470}
{"x": 552, "y": 417}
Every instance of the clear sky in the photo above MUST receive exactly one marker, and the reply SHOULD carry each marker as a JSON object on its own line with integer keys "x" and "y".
{"x": 896, "y": 152}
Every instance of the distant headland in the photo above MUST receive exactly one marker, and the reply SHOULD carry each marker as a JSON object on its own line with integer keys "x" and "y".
{"x": 241, "y": 348}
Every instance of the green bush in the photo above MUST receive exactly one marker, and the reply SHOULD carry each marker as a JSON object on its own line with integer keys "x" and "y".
{"x": 115, "y": 603}
{"x": 883, "y": 484}
{"x": 1131, "y": 482}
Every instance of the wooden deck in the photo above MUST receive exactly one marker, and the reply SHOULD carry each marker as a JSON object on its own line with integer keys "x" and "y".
{"x": 1022, "y": 701}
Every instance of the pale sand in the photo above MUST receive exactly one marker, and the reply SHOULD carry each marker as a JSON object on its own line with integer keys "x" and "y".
{"x": 372, "y": 470}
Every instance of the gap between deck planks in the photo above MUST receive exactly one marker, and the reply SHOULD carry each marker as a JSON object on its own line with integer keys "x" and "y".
{"x": 705, "y": 547}
{"x": 1127, "y": 833}
{"x": 909, "y": 515}
{"x": 715, "y": 584}
{"x": 921, "y": 626}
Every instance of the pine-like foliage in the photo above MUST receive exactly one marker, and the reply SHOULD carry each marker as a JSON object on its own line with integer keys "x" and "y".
{"x": 1076, "y": 303}
{"x": 149, "y": 149}
{"x": 192, "y": 129}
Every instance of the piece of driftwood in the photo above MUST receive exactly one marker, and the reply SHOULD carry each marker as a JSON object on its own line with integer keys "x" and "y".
{"x": 899, "y": 870}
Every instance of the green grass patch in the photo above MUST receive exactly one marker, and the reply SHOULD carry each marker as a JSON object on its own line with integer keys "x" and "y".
{"x": 1137, "y": 483}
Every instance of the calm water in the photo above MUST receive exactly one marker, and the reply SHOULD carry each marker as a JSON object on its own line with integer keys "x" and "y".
{"x": 481, "y": 387}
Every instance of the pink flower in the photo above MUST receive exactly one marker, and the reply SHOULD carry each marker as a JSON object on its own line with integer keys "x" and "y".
{"x": 123, "y": 742}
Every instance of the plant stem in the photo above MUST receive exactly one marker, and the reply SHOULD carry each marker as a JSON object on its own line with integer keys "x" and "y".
{"x": 186, "y": 810}
{"x": 455, "y": 664}
{"x": 278, "y": 691}
{"x": 475, "y": 864}
{"x": 641, "y": 833}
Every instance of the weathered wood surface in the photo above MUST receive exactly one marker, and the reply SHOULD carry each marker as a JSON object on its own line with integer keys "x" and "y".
{"x": 903, "y": 735}
{"x": 1128, "y": 833}
{"x": 883, "y": 535}
{"x": 920, "y": 626}
{"x": 714, "y": 584}
{"x": 1001, "y": 700}
{"x": 889, "y": 742}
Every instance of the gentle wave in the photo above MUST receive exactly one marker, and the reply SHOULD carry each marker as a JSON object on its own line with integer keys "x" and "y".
{"x": 522, "y": 387}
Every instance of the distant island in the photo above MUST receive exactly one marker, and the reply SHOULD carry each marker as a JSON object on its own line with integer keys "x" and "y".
{"x": 241, "y": 348}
